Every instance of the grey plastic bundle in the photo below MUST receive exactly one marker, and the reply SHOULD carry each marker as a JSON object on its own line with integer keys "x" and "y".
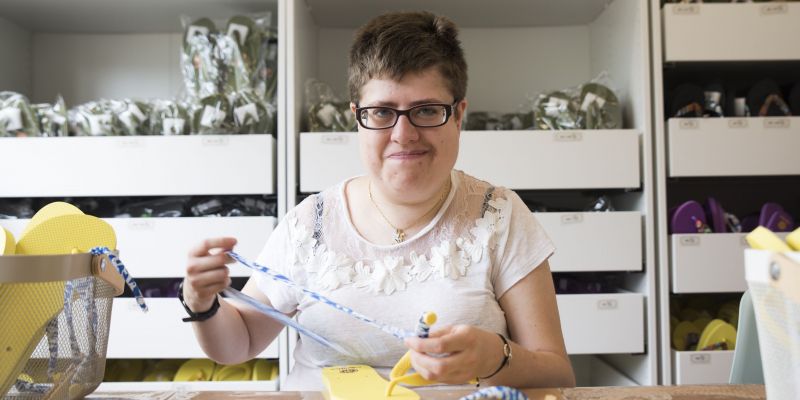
{"x": 212, "y": 116}
{"x": 251, "y": 114}
{"x": 96, "y": 118}
{"x": 52, "y": 118}
{"x": 556, "y": 111}
{"x": 17, "y": 118}
{"x": 199, "y": 66}
{"x": 599, "y": 107}
{"x": 133, "y": 117}
{"x": 592, "y": 105}
{"x": 326, "y": 113}
{"x": 169, "y": 118}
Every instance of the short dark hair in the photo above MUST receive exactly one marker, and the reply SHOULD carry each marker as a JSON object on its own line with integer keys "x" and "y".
{"x": 394, "y": 44}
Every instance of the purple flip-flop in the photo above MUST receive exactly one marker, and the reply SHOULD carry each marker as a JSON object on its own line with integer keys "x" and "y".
{"x": 689, "y": 217}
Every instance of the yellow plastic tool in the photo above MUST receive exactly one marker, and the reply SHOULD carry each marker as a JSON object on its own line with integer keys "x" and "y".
{"x": 763, "y": 239}
{"x": 794, "y": 239}
{"x": 360, "y": 382}
{"x": 200, "y": 369}
{"x": 8, "y": 246}
{"x": 49, "y": 211}
{"x": 235, "y": 372}
{"x": 718, "y": 335}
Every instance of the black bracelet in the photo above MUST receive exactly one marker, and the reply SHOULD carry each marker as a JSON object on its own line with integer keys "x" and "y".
{"x": 193, "y": 316}
{"x": 506, "y": 358}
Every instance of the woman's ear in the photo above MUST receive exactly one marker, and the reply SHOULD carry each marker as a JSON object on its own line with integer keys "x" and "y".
{"x": 461, "y": 110}
{"x": 353, "y": 107}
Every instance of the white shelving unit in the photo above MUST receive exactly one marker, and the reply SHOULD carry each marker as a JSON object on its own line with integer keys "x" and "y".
{"x": 717, "y": 150}
{"x": 90, "y": 49}
{"x": 555, "y": 44}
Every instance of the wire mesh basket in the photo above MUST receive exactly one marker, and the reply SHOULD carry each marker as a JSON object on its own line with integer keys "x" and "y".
{"x": 774, "y": 283}
{"x": 55, "y": 311}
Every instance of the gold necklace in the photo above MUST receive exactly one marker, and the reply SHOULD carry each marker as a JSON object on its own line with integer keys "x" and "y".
{"x": 400, "y": 234}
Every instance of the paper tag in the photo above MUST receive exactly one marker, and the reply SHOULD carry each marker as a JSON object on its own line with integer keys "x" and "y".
{"x": 12, "y": 118}
{"x": 247, "y": 110}
{"x": 568, "y": 136}
{"x": 689, "y": 241}
{"x": 239, "y": 29}
{"x": 592, "y": 98}
{"x": 554, "y": 106}
{"x": 774, "y": 9}
{"x": 700, "y": 358}
{"x": 172, "y": 126}
{"x": 141, "y": 224}
{"x": 126, "y": 117}
{"x": 58, "y": 118}
{"x": 211, "y": 116}
{"x": 128, "y": 142}
{"x": 335, "y": 139}
{"x": 134, "y": 109}
{"x": 688, "y": 123}
{"x": 607, "y": 304}
{"x": 99, "y": 124}
{"x": 777, "y": 123}
{"x": 215, "y": 141}
{"x": 195, "y": 30}
{"x": 325, "y": 114}
{"x": 571, "y": 219}
{"x": 737, "y": 123}
{"x": 685, "y": 9}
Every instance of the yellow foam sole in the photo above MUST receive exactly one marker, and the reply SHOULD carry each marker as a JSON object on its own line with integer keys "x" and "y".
{"x": 360, "y": 382}
{"x": 195, "y": 370}
{"x": 8, "y": 246}
{"x": 67, "y": 234}
{"x": 718, "y": 331}
{"x": 236, "y": 372}
{"x": 794, "y": 239}
{"x": 763, "y": 239}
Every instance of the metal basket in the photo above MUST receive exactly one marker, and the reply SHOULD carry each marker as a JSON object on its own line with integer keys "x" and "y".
{"x": 55, "y": 313}
{"x": 774, "y": 283}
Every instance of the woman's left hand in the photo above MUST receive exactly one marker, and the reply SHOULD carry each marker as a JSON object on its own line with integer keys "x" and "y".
{"x": 456, "y": 354}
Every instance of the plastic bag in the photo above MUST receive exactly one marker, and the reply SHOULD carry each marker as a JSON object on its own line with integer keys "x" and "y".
{"x": 96, "y": 118}
{"x": 326, "y": 113}
{"x": 212, "y": 116}
{"x": 169, "y": 118}
{"x": 592, "y": 105}
{"x": 251, "y": 114}
{"x": 134, "y": 117}
{"x": 52, "y": 118}
{"x": 17, "y": 118}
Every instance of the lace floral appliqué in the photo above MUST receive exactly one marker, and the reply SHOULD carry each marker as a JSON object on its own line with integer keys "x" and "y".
{"x": 450, "y": 259}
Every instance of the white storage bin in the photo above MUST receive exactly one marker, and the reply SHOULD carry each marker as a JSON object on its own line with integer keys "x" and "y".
{"x": 708, "y": 263}
{"x": 602, "y": 323}
{"x": 702, "y": 367}
{"x": 515, "y": 159}
{"x": 594, "y": 241}
{"x": 733, "y": 146}
{"x": 731, "y": 32}
{"x": 159, "y": 333}
{"x": 138, "y": 165}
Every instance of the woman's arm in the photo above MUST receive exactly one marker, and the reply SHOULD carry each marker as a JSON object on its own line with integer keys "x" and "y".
{"x": 539, "y": 357}
{"x": 235, "y": 333}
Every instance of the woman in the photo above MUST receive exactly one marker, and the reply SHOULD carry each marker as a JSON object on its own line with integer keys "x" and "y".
{"x": 411, "y": 235}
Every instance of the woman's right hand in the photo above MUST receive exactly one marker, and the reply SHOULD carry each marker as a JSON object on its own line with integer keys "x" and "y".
{"x": 206, "y": 273}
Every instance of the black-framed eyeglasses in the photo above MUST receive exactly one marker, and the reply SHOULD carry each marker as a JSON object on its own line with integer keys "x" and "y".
{"x": 423, "y": 116}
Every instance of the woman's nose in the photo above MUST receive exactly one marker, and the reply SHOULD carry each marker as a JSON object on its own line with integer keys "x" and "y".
{"x": 403, "y": 131}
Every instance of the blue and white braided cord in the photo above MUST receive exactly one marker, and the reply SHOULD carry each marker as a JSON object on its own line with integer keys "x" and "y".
{"x": 137, "y": 293}
{"x": 497, "y": 392}
{"x": 394, "y": 331}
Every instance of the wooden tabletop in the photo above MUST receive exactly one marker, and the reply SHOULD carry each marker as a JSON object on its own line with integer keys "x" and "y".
{"x": 707, "y": 392}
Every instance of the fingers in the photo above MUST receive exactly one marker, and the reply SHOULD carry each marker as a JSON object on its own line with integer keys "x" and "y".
{"x": 451, "y": 354}
{"x": 454, "y": 368}
{"x": 202, "y": 249}
{"x": 206, "y": 273}
{"x": 448, "y": 339}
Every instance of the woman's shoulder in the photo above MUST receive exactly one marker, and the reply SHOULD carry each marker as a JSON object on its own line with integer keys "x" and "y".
{"x": 315, "y": 204}
{"x": 482, "y": 189}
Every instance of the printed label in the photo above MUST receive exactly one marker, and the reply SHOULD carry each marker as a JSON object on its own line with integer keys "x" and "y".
{"x": 690, "y": 240}
{"x": 607, "y": 304}
{"x": 737, "y": 123}
{"x": 686, "y": 9}
{"x": 335, "y": 139}
{"x": 777, "y": 123}
{"x": 688, "y": 123}
{"x": 141, "y": 225}
{"x": 568, "y": 136}
{"x": 129, "y": 142}
{"x": 195, "y": 30}
{"x": 348, "y": 370}
{"x": 215, "y": 141}
{"x": 100, "y": 124}
{"x": 11, "y": 118}
{"x": 700, "y": 358}
{"x": 246, "y": 114}
{"x": 774, "y": 9}
{"x": 211, "y": 117}
{"x": 172, "y": 126}
{"x": 571, "y": 219}
{"x": 238, "y": 32}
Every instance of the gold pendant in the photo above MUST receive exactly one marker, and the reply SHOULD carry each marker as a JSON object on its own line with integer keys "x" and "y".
{"x": 399, "y": 236}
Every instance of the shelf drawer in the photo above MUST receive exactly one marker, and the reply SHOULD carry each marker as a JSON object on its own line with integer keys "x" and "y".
{"x": 134, "y": 334}
{"x": 138, "y": 165}
{"x": 594, "y": 241}
{"x": 733, "y": 146}
{"x": 602, "y": 323}
{"x": 515, "y": 159}
{"x": 159, "y": 388}
{"x": 722, "y": 24}
{"x": 158, "y": 247}
{"x": 701, "y": 367}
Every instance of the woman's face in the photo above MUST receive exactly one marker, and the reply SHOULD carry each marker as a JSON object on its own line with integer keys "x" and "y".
{"x": 410, "y": 162}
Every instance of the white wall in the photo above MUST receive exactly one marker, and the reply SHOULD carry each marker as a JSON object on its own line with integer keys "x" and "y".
{"x": 136, "y": 66}
{"x": 15, "y": 66}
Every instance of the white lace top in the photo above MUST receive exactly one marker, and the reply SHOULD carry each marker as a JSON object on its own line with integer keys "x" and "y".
{"x": 481, "y": 242}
